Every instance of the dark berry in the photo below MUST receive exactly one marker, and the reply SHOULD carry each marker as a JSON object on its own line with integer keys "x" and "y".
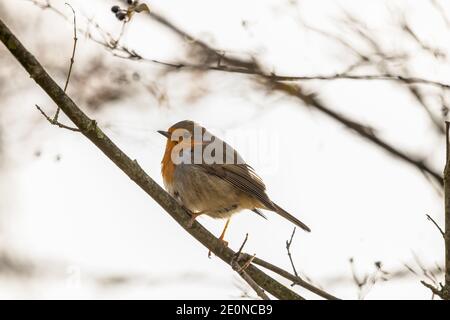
{"x": 115, "y": 9}
{"x": 130, "y": 2}
{"x": 121, "y": 15}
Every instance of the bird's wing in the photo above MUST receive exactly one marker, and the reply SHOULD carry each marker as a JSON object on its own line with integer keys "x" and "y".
{"x": 243, "y": 177}
{"x": 233, "y": 169}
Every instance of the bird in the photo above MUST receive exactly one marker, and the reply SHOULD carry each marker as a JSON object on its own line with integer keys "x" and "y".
{"x": 208, "y": 177}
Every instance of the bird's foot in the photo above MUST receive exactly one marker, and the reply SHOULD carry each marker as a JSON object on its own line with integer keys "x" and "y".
{"x": 194, "y": 216}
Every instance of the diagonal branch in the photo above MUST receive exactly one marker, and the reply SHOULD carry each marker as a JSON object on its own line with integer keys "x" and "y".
{"x": 436, "y": 225}
{"x": 362, "y": 130}
{"x": 131, "y": 168}
{"x": 218, "y": 60}
{"x": 295, "y": 279}
{"x": 250, "y": 66}
{"x": 241, "y": 271}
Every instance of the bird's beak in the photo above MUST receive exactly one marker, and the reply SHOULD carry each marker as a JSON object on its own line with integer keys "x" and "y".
{"x": 164, "y": 133}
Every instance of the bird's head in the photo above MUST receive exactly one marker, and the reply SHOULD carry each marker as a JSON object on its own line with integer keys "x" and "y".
{"x": 186, "y": 132}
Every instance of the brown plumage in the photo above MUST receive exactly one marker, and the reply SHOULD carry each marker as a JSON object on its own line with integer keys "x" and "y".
{"x": 219, "y": 185}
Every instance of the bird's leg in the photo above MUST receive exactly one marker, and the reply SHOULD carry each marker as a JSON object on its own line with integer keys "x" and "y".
{"x": 194, "y": 216}
{"x": 222, "y": 236}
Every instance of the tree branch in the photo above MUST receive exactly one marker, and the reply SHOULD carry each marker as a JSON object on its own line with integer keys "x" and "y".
{"x": 436, "y": 225}
{"x": 72, "y": 59}
{"x": 446, "y": 288}
{"x": 241, "y": 271}
{"x": 288, "y": 249}
{"x": 131, "y": 168}
{"x": 444, "y": 291}
{"x": 56, "y": 123}
{"x": 433, "y": 289}
{"x": 362, "y": 130}
{"x": 295, "y": 279}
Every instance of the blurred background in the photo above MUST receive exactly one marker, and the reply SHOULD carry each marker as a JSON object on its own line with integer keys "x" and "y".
{"x": 354, "y": 148}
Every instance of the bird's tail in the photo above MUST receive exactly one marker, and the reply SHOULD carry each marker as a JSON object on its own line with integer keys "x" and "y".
{"x": 290, "y": 217}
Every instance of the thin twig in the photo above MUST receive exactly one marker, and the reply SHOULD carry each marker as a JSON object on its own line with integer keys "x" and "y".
{"x": 433, "y": 289}
{"x": 242, "y": 246}
{"x": 75, "y": 40}
{"x": 56, "y": 123}
{"x": 295, "y": 279}
{"x": 241, "y": 271}
{"x": 115, "y": 43}
{"x": 444, "y": 291}
{"x": 288, "y": 247}
{"x": 428, "y": 274}
{"x": 72, "y": 60}
{"x": 359, "y": 282}
{"x": 47, "y": 5}
{"x": 260, "y": 292}
{"x": 435, "y": 223}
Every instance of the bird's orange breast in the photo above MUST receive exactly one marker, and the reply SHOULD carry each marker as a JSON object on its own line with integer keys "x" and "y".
{"x": 167, "y": 165}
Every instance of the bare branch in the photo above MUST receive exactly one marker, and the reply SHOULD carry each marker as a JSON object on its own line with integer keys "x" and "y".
{"x": 295, "y": 279}
{"x": 433, "y": 289}
{"x": 47, "y": 5}
{"x": 437, "y": 226}
{"x": 72, "y": 59}
{"x": 288, "y": 248}
{"x": 444, "y": 291}
{"x": 56, "y": 123}
{"x": 446, "y": 287}
{"x": 237, "y": 256}
{"x": 241, "y": 271}
{"x": 224, "y": 63}
{"x": 75, "y": 40}
{"x": 260, "y": 292}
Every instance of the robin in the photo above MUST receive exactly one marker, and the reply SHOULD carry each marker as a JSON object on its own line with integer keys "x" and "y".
{"x": 207, "y": 176}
